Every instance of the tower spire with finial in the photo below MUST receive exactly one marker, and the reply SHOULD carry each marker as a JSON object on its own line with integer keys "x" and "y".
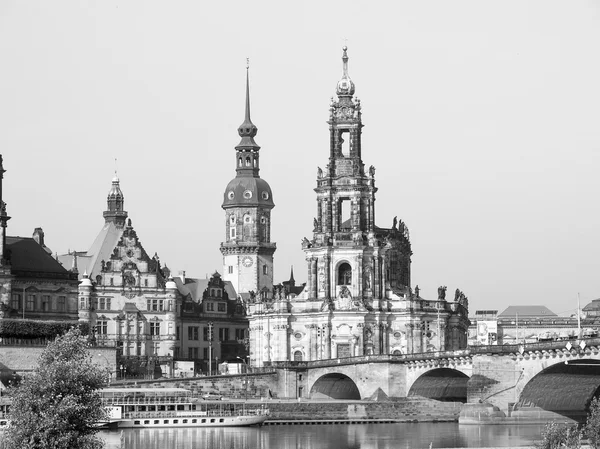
{"x": 247, "y": 149}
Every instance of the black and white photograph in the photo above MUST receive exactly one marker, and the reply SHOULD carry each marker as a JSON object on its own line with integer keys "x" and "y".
{"x": 299, "y": 225}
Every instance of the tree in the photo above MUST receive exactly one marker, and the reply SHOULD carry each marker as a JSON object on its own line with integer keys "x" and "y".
{"x": 58, "y": 405}
{"x": 592, "y": 426}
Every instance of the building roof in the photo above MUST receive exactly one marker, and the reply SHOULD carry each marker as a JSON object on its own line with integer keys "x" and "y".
{"x": 195, "y": 288}
{"x": 526, "y": 311}
{"x": 28, "y": 256}
{"x": 90, "y": 261}
{"x": 592, "y": 306}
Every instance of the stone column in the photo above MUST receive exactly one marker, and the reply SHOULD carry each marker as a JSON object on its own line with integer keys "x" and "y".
{"x": 376, "y": 279}
{"x": 328, "y": 283}
{"x": 313, "y": 270}
{"x": 327, "y": 338}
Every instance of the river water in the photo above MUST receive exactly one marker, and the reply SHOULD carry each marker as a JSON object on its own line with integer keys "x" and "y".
{"x": 351, "y": 436}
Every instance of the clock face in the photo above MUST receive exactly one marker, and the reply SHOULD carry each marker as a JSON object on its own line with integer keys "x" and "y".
{"x": 247, "y": 261}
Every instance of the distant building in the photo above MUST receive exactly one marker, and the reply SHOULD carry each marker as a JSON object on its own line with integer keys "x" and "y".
{"x": 33, "y": 284}
{"x": 530, "y": 324}
{"x": 125, "y": 294}
{"x": 211, "y": 308}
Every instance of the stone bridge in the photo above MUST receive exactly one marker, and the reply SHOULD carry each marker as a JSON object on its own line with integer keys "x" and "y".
{"x": 561, "y": 376}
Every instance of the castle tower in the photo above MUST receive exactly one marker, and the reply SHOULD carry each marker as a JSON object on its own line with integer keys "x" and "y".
{"x": 115, "y": 205}
{"x": 346, "y": 258}
{"x": 247, "y": 249}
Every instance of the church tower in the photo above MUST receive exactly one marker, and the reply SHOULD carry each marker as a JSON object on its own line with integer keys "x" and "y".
{"x": 349, "y": 257}
{"x": 247, "y": 249}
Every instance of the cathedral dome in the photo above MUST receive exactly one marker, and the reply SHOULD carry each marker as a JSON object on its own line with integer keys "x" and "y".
{"x": 248, "y": 191}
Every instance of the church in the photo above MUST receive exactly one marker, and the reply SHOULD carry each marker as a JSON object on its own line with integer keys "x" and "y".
{"x": 358, "y": 299}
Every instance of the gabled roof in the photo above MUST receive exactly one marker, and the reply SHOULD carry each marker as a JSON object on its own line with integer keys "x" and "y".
{"x": 90, "y": 261}
{"x": 527, "y": 311}
{"x": 195, "y": 288}
{"x": 27, "y": 256}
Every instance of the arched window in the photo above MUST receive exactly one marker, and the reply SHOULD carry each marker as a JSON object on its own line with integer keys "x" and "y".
{"x": 240, "y": 162}
{"x": 298, "y": 356}
{"x": 344, "y": 274}
{"x": 397, "y": 352}
{"x": 248, "y": 161}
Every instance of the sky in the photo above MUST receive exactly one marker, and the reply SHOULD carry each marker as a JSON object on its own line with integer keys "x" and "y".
{"x": 481, "y": 118}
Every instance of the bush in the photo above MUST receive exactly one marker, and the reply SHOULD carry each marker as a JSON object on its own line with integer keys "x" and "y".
{"x": 559, "y": 436}
{"x": 30, "y": 329}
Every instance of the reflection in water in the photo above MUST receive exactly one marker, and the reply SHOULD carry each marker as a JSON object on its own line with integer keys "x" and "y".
{"x": 355, "y": 436}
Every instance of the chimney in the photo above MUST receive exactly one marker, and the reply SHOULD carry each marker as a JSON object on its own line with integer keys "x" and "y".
{"x": 38, "y": 236}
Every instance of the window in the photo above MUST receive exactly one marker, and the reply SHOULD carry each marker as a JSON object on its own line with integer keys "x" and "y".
{"x": 155, "y": 305}
{"x": 240, "y": 334}
{"x": 177, "y": 333}
{"x": 112, "y": 281}
{"x": 102, "y": 327}
{"x": 104, "y": 304}
{"x": 223, "y": 334}
{"x": 82, "y": 303}
{"x": 15, "y": 301}
{"x": 344, "y": 274}
{"x": 230, "y": 269}
{"x": 45, "y": 303}
{"x": 190, "y": 353}
{"x": 221, "y": 307}
{"x": 232, "y": 233}
{"x": 196, "y": 352}
{"x": 156, "y": 348}
{"x": 62, "y": 301}
{"x": 210, "y": 306}
{"x": 205, "y": 334}
{"x": 298, "y": 356}
{"x": 30, "y": 305}
{"x": 155, "y": 328}
{"x": 205, "y": 353}
{"x": 193, "y": 333}
{"x": 265, "y": 269}
{"x": 138, "y": 348}
{"x": 247, "y": 219}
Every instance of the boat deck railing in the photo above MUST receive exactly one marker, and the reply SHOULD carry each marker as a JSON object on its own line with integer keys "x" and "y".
{"x": 194, "y": 414}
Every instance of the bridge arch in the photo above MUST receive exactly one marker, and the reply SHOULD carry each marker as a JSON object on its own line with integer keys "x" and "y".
{"x": 566, "y": 388}
{"x": 334, "y": 386}
{"x": 442, "y": 384}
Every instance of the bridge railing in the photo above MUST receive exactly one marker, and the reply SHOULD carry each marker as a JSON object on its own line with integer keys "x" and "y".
{"x": 404, "y": 358}
{"x": 539, "y": 346}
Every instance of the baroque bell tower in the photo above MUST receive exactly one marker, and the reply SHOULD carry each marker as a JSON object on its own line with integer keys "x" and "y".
{"x": 247, "y": 201}
{"x": 350, "y": 260}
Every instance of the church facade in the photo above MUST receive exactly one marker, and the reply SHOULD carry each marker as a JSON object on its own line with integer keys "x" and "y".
{"x": 358, "y": 299}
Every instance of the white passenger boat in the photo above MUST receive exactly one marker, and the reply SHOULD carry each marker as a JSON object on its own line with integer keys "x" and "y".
{"x": 175, "y": 407}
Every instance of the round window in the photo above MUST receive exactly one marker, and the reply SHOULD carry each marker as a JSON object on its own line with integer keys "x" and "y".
{"x": 298, "y": 335}
{"x": 247, "y": 194}
{"x": 265, "y": 195}
{"x": 263, "y": 220}
{"x": 230, "y": 195}
{"x": 397, "y": 335}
